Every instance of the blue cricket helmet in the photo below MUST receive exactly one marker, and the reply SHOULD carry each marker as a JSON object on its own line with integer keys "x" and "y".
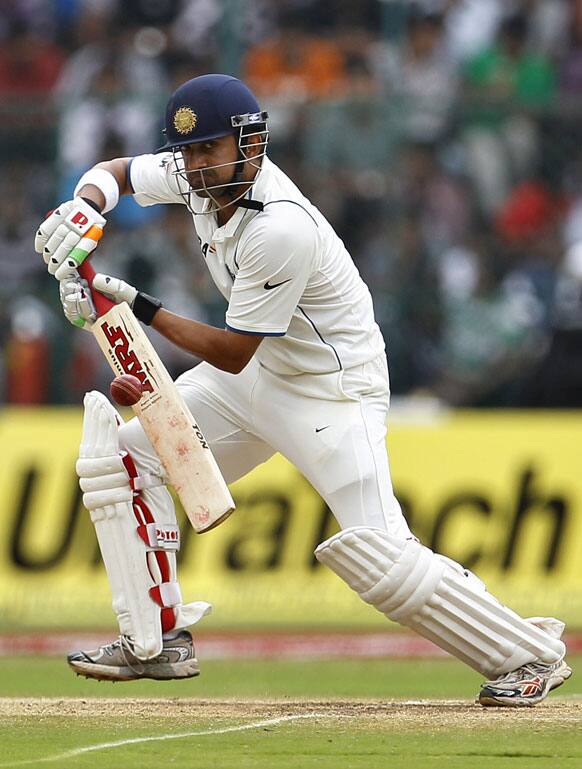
{"x": 209, "y": 107}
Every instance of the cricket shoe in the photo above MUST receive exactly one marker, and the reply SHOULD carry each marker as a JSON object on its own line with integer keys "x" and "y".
{"x": 525, "y": 686}
{"x": 117, "y": 662}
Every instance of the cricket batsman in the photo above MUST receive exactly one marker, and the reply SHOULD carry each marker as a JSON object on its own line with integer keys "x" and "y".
{"x": 299, "y": 368}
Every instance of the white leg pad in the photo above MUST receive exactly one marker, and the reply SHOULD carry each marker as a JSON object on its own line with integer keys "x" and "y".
{"x": 440, "y": 600}
{"x": 139, "y": 552}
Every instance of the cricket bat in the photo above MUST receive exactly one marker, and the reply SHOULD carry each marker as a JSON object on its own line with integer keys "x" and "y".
{"x": 162, "y": 412}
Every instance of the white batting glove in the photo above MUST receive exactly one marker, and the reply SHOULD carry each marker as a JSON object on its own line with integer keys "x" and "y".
{"x": 115, "y": 289}
{"x": 143, "y": 305}
{"x": 67, "y": 237}
{"x": 77, "y": 302}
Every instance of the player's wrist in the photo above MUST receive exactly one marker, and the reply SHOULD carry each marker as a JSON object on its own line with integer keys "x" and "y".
{"x": 145, "y": 307}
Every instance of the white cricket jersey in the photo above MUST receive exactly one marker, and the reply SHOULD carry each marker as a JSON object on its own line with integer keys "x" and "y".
{"x": 285, "y": 273}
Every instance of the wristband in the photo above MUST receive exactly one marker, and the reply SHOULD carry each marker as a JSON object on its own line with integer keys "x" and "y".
{"x": 92, "y": 203}
{"x": 104, "y": 181}
{"x": 145, "y": 307}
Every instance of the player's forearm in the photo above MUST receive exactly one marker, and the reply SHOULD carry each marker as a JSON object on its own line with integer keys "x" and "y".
{"x": 216, "y": 346}
{"x": 118, "y": 169}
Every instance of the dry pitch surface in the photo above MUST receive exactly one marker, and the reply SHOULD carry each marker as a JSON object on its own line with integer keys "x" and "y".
{"x": 285, "y": 734}
{"x": 277, "y": 714}
{"x": 441, "y": 714}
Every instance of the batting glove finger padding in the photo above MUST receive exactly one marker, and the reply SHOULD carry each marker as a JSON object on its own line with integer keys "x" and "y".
{"x": 115, "y": 289}
{"x": 67, "y": 237}
{"x": 48, "y": 227}
{"x": 77, "y": 302}
{"x": 59, "y": 245}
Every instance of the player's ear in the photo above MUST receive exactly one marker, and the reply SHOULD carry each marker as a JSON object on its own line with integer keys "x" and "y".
{"x": 253, "y": 145}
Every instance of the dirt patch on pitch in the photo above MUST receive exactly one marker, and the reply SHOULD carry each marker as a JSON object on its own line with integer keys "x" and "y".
{"x": 422, "y": 714}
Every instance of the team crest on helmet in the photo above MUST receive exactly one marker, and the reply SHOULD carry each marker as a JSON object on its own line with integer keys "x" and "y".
{"x": 185, "y": 120}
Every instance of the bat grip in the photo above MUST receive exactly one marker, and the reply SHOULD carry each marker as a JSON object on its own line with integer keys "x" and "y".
{"x": 101, "y": 302}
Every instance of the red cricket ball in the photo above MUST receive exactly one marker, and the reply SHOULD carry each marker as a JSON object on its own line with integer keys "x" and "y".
{"x": 126, "y": 390}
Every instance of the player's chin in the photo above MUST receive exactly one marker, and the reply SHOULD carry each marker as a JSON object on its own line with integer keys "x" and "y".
{"x": 209, "y": 191}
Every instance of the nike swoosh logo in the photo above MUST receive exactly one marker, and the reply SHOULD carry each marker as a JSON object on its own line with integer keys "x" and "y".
{"x": 268, "y": 286}
{"x": 319, "y": 429}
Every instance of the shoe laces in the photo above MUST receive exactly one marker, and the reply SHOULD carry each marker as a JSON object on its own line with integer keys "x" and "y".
{"x": 124, "y": 644}
{"x": 112, "y": 646}
{"x": 525, "y": 671}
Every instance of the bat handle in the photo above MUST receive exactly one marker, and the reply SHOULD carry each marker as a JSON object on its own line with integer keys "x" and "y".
{"x": 102, "y": 303}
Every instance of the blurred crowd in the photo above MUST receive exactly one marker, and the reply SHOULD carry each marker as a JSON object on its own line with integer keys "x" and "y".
{"x": 443, "y": 140}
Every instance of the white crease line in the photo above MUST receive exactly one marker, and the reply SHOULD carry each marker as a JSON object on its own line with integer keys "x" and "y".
{"x": 161, "y": 737}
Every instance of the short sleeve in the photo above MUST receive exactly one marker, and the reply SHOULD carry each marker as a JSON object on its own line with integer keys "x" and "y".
{"x": 151, "y": 180}
{"x": 275, "y": 260}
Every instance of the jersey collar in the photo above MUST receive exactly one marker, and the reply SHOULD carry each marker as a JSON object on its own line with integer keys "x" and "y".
{"x": 255, "y": 197}
{"x": 252, "y": 205}
{"x": 228, "y": 230}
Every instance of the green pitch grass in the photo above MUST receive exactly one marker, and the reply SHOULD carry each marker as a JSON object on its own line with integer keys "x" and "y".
{"x": 351, "y": 714}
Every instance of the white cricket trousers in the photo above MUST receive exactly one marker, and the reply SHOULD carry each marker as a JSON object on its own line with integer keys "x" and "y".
{"x": 332, "y": 427}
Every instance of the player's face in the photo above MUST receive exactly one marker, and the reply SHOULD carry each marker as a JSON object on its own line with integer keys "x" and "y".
{"x": 218, "y": 169}
{"x": 209, "y": 164}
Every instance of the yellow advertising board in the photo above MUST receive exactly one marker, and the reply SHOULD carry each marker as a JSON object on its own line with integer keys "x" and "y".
{"x": 500, "y": 492}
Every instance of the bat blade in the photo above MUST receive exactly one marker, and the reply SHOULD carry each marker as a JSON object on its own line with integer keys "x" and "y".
{"x": 165, "y": 418}
{"x": 172, "y": 430}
